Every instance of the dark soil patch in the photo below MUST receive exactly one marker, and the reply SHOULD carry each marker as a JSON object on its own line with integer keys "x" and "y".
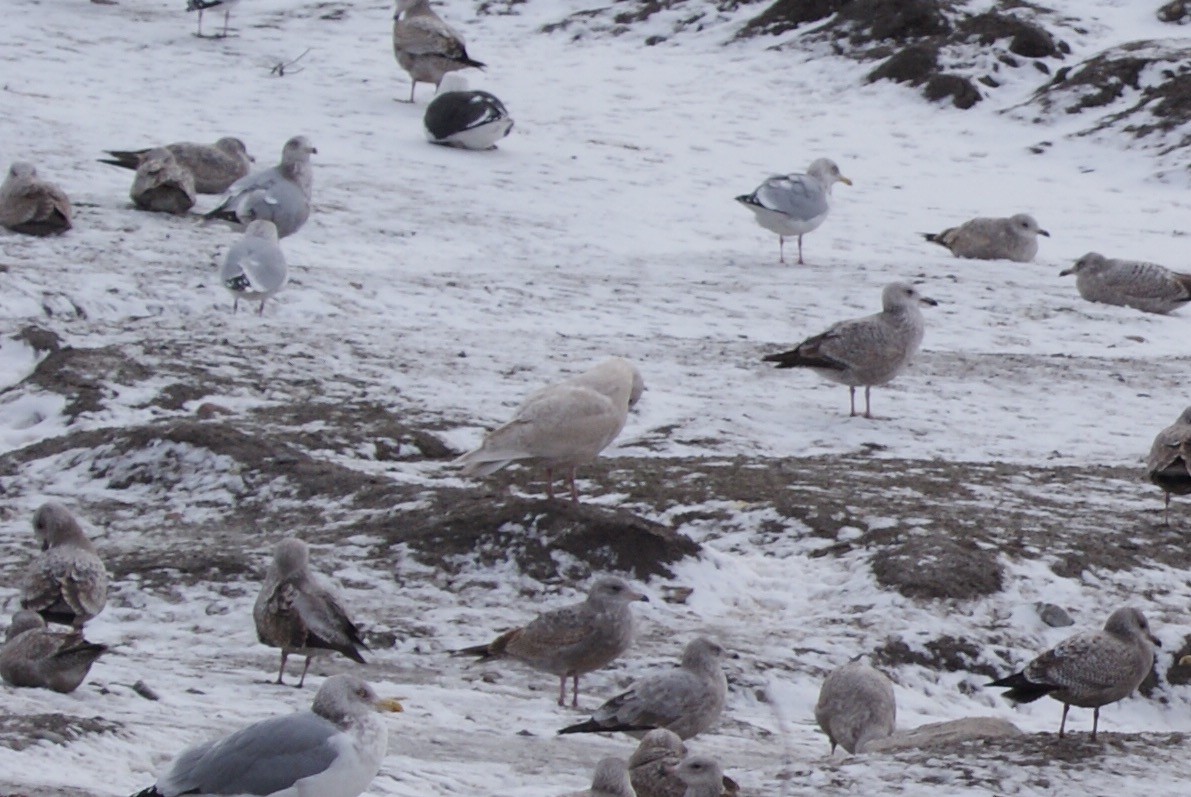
{"x": 933, "y": 566}
{"x": 86, "y": 376}
{"x": 945, "y": 654}
{"x": 18, "y": 731}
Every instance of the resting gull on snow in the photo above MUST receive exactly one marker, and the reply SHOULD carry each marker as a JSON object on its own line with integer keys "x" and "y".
{"x": 794, "y": 204}
{"x": 1090, "y": 669}
{"x": 280, "y": 194}
{"x": 162, "y": 185}
{"x": 1130, "y": 283}
{"x": 425, "y": 46}
{"x": 34, "y": 656}
{"x": 1169, "y": 462}
{"x": 652, "y": 767}
{"x": 573, "y": 640}
{"x": 610, "y": 779}
{"x": 30, "y": 205}
{"x": 68, "y": 583}
{"x": 466, "y": 119}
{"x": 214, "y": 166}
{"x": 333, "y": 750}
{"x": 688, "y": 700}
{"x": 866, "y": 351}
{"x": 297, "y": 614}
{"x": 562, "y": 425}
{"x": 254, "y": 267}
{"x": 856, "y": 705}
{"x": 1014, "y": 238}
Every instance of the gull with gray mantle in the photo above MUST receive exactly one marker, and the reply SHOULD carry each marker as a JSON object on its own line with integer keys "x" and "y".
{"x": 280, "y": 194}
{"x": 425, "y": 46}
{"x": 333, "y": 750}
{"x": 1148, "y": 287}
{"x": 572, "y": 640}
{"x": 162, "y": 185}
{"x": 794, "y": 204}
{"x": 1014, "y": 238}
{"x": 254, "y": 267}
{"x": 856, "y": 705}
{"x": 34, "y": 656}
{"x": 68, "y": 583}
{"x": 214, "y": 166}
{"x": 610, "y": 779}
{"x": 296, "y": 613}
{"x": 1090, "y": 669}
{"x": 1169, "y": 462}
{"x": 465, "y": 119}
{"x": 32, "y": 206}
{"x": 563, "y": 425}
{"x": 687, "y": 701}
{"x": 653, "y": 765}
{"x": 868, "y": 351}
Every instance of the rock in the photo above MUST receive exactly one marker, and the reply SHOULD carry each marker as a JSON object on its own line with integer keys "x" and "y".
{"x": 933, "y": 566}
{"x": 913, "y": 65}
{"x": 938, "y": 734}
{"x": 945, "y": 654}
{"x": 1054, "y": 616}
{"x": 961, "y": 91}
{"x": 1176, "y": 11}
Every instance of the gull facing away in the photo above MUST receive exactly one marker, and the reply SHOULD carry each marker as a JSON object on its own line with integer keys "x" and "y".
{"x": 687, "y": 701}
{"x": 214, "y": 166}
{"x": 572, "y": 640}
{"x": 254, "y": 267}
{"x": 280, "y": 194}
{"x": 1169, "y": 462}
{"x": 1014, "y": 238}
{"x": 297, "y": 614}
{"x": 1130, "y": 283}
{"x": 466, "y": 119}
{"x": 34, "y": 656}
{"x": 202, "y": 5}
{"x": 68, "y": 583}
{"x": 856, "y": 705}
{"x": 563, "y": 425}
{"x": 32, "y": 206}
{"x": 866, "y": 351}
{"x": 610, "y": 779}
{"x": 425, "y": 46}
{"x": 162, "y": 185}
{"x": 333, "y": 750}
{"x": 794, "y": 204}
{"x": 1090, "y": 669}
{"x": 652, "y": 767}
{"x": 702, "y": 775}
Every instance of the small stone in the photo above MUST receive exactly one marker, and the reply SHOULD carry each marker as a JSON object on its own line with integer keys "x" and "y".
{"x": 1054, "y": 616}
{"x": 145, "y": 691}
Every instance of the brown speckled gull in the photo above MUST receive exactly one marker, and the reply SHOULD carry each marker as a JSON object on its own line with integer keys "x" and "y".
{"x": 68, "y": 583}
{"x": 1148, "y": 287}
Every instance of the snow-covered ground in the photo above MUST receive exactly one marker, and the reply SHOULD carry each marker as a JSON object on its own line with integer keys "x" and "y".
{"x": 445, "y": 285}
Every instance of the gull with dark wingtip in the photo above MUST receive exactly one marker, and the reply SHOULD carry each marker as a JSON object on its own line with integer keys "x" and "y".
{"x": 794, "y": 204}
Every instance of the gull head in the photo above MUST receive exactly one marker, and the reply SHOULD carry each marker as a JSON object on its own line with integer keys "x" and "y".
{"x": 826, "y": 172}
{"x": 22, "y": 621}
{"x": 1092, "y": 261}
{"x": 290, "y": 556}
{"x": 616, "y": 590}
{"x": 297, "y": 149}
{"x": 261, "y": 228}
{"x": 234, "y": 146}
{"x": 700, "y": 770}
{"x": 1023, "y": 224}
{"x": 343, "y": 698}
{"x": 22, "y": 170}
{"x": 1130, "y": 623}
{"x": 902, "y": 295}
{"x": 53, "y": 525}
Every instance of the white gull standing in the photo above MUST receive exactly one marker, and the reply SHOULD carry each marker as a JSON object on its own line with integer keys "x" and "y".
{"x": 1169, "y": 462}
{"x": 280, "y": 194}
{"x": 794, "y": 204}
{"x": 68, "y": 583}
{"x": 254, "y": 267}
{"x": 1013, "y": 238}
{"x": 1148, "y": 287}
{"x": 856, "y": 705}
{"x": 425, "y": 46}
{"x": 466, "y": 119}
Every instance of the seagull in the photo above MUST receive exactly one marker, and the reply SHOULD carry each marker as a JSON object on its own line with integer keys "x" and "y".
{"x": 1090, "y": 669}
{"x": 1130, "y": 283}
{"x": 794, "y": 204}
{"x": 1169, "y": 462}
{"x": 572, "y": 640}
{"x": 35, "y": 656}
{"x": 254, "y": 267}
{"x": 610, "y": 779}
{"x": 68, "y": 583}
{"x": 295, "y": 613}
{"x": 162, "y": 185}
{"x": 202, "y": 5}
{"x": 333, "y": 750}
{"x": 280, "y": 194}
{"x": 856, "y": 706}
{"x": 563, "y": 425}
{"x": 425, "y": 46}
{"x": 214, "y": 166}
{"x": 652, "y": 767}
{"x": 866, "y": 351}
{"x": 1014, "y": 238}
{"x": 32, "y": 206}
{"x": 702, "y": 775}
{"x": 466, "y": 119}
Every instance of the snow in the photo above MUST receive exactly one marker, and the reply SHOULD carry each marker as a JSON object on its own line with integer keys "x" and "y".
{"x": 446, "y": 285}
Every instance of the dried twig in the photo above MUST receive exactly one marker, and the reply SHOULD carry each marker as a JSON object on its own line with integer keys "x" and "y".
{"x": 280, "y": 68}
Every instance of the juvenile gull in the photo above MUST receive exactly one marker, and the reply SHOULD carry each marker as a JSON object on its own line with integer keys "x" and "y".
{"x": 1169, "y": 462}
{"x": 573, "y": 640}
{"x": 856, "y": 706}
{"x": 37, "y": 657}
{"x": 866, "y": 351}
{"x": 425, "y": 46}
{"x": 794, "y": 204}
{"x": 1130, "y": 283}
{"x": 202, "y": 5}
{"x": 214, "y": 166}
{"x": 280, "y": 194}
{"x": 68, "y": 583}
{"x": 1014, "y": 238}
{"x": 652, "y": 767}
{"x": 702, "y": 776}
{"x": 162, "y": 185}
{"x": 254, "y": 267}
{"x": 297, "y": 614}
{"x": 687, "y": 701}
{"x": 30, "y": 205}
{"x": 466, "y": 119}
{"x": 610, "y": 779}
{"x": 1090, "y": 669}
{"x": 333, "y": 750}
{"x": 563, "y": 425}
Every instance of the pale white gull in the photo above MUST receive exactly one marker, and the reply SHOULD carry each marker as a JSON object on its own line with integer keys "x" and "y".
{"x": 162, "y": 185}
{"x": 856, "y": 705}
{"x": 34, "y": 656}
{"x": 214, "y": 166}
{"x": 1148, "y": 287}
{"x": 794, "y": 204}
{"x": 466, "y": 119}
{"x": 68, "y": 583}
{"x": 254, "y": 267}
{"x": 1014, "y": 238}
{"x": 425, "y": 46}
{"x": 1169, "y": 462}
{"x": 610, "y": 779}
{"x": 31, "y": 205}
{"x": 280, "y": 194}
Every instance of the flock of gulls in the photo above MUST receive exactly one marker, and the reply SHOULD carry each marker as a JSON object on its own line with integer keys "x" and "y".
{"x": 337, "y": 747}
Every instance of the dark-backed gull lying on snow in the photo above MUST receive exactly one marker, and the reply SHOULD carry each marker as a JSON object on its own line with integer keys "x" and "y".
{"x": 457, "y": 117}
